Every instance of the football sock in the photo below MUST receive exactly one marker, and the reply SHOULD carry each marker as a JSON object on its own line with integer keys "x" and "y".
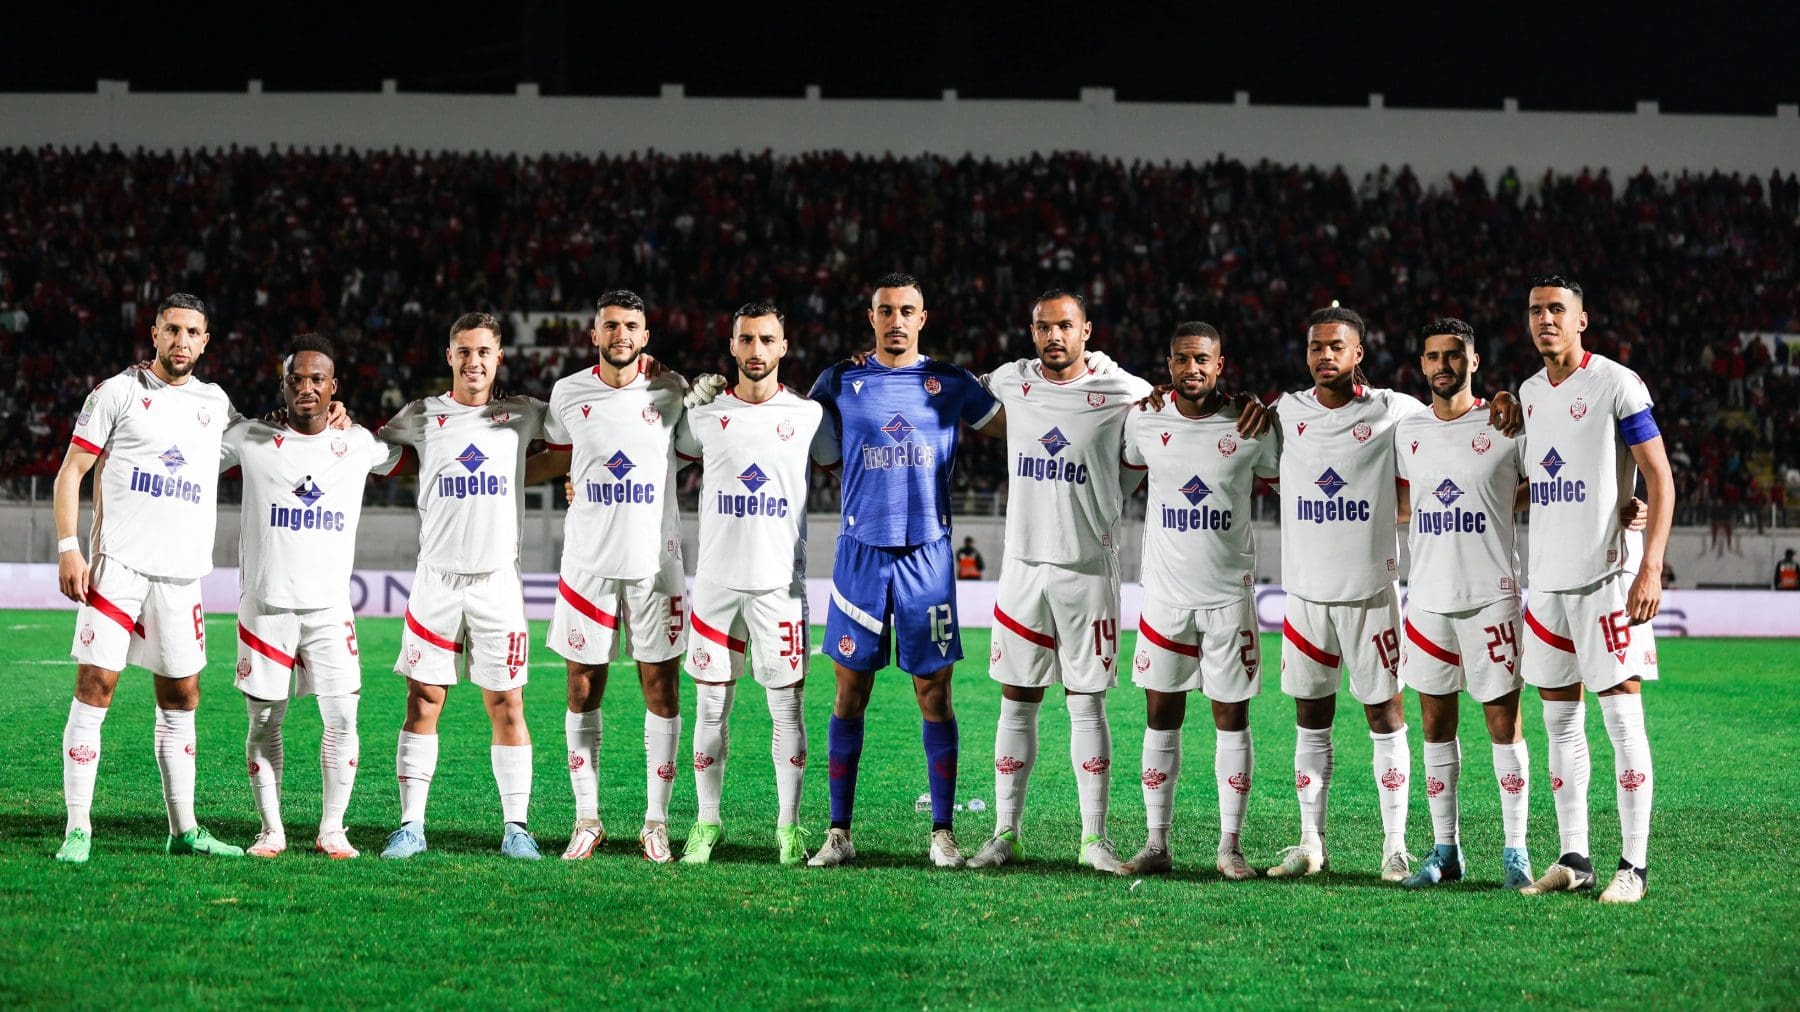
{"x": 1513, "y": 772}
{"x": 415, "y": 762}
{"x": 264, "y": 756}
{"x": 662, "y": 736}
{"x": 843, "y": 750}
{"x": 175, "y": 748}
{"x": 581, "y": 729}
{"x": 1312, "y": 781}
{"x": 1443, "y": 768}
{"x": 1566, "y": 726}
{"x": 1234, "y": 757}
{"x": 941, "y": 745}
{"x": 1162, "y": 767}
{"x": 512, "y": 775}
{"x": 712, "y": 741}
{"x": 787, "y": 748}
{"x": 81, "y": 762}
{"x": 339, "y": 750}
{"x": 1090, "y": 753}
{"x": 1624, "y": 717}
{"x": 1393, "y": 767}
{"x": 1015, "y": 754}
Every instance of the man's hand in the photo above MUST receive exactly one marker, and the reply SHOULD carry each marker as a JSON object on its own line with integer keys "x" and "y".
{"x": 1645, "y": 599}
{"x": 649, "y": 367}
{"x": 1100, "y": 363}
{"x": 72, "y": 576}
{"x": 1254, "y": 419}
{"x": 337, "y": 416}
{"x": 706, "y": 388}
{"x": 568, "y": 491}
{"x": 1635, "y": 515}
{"x": 860, "y": 358}
{"x": 1505, "y": 414}
{"x": 1158, "y": 396}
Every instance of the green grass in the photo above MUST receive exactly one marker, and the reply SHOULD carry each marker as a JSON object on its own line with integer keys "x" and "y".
{"x": 462, "y": 926}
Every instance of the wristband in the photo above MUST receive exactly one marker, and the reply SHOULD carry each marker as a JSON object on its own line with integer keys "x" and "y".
{"x": 68, "y": 544}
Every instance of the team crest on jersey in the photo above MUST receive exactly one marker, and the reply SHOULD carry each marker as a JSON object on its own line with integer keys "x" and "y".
{"x": 243, "y": 668}
{"x": 585, "y": 409}
{"x": 784, "y": 429}
{"x": 412, "y": 656}
{"x": 441, "y": 419}
{"x": 1096, "y": 400}
{"x": 846, "y": 646}
{"x": 651, "y": 414}
{"x": 1227, "y": 446}
{"x": 502, "y": 417}
{"x": 1362, "y": 432}
{"x": 204, "y": 417}
{"x": 87, "y": 635}
{"x": 1578, "y": 410}
{"x": 932, "y": 386}
{"x": 1054, "y": 442}
{"x": 1480, "y": 444}
{"x": 1165, "y": 439}
{"x": 1142, "y": 663}
{"x": 339, "y": 447}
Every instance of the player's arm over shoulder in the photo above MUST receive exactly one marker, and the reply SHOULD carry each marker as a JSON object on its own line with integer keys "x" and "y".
{"x": 406, "y": 427}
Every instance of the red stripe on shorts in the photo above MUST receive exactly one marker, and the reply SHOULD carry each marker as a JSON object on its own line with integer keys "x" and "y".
{"x": 1318, "y": 656}
{"x": 263, "y": 646}
{"x": 1559, "y": 642}
{"x": 1431, "y": 648}
{"x": 585, "y": 606}
{"x": 1029, "y": 635}
{"x": 110, "y": 610}
{"x": 723, "y": 639}
{"x": 1172, "y": 646}
{"x": 430, "y": 637}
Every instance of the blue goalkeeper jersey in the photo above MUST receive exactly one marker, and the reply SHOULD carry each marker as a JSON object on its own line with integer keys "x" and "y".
{"x": 899, "y": 430}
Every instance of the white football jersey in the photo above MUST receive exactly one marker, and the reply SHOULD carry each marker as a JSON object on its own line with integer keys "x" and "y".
{"x": 1462, "y": 476}
{"x": 1578, "y": 438}
{"x": 624, "y": 515}
{"x": 471, "y": 467}
{"x": 156, "y": 485}
{"x": 753, "y": 492}
{"x": 1062, "y": 446}
{"x": 1338, "y": 506}
{"x": 302, "y": 500}
{"x": 1199, "y": 551}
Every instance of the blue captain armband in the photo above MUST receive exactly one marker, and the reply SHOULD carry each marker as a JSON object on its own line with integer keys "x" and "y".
{"x": 1639, "y": 428}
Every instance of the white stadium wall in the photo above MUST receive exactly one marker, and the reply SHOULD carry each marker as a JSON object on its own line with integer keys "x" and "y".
{"x": 1433, "y": 141}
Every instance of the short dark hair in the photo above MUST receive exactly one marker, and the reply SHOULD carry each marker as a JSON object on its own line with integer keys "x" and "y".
{"x": 1195, "y": 328}
{"x": 1558, "y": 281}
{"x": 1448, "y": 325}
{"x": 1338, "y": 314}
{"x": 624, "y": 298}
{"x": 182, "y": 300}
{"x": 475, "y": 321}
{"x": 756, "y": 308}
{"x": 311, "y": 342}
{"x": 1052, "y": 294}
{"x": 898, "y": 279}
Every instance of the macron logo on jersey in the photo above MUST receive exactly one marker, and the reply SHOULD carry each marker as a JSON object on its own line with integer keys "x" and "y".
{"x": 476, "y": 482}
{"x": 621, "y": 490}
{"x": 1049, "y": 468}
{"x": 1199, "y": 517}
{"x": 1449, "y": 520}
{"x": 904, "y": 452}
{"x": 158, "y": 486}
{"x": 754, "y": 504}
{"x": 1555, "y": 490}
{"x": 1332, "y": 509}
{"x": 305, "y": 517}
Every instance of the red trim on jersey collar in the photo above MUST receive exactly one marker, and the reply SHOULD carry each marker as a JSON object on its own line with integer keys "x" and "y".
{"x": 1585, "y": 357}
{"x": 1300, "y": 643}
{"x": 109, "y": 609}
{"x": 725, "y": 640}
{"x": 1562, "y": 643}
{"x": 1038, "y": 364}
{"x": 585, "y": 606}
{"x": 1419, "y": 640}
{"x": 1478, "y": 403}
{"x": 1172, "y": 646}
{"x": 1031, "y": 636}
{"x": 430, "y": 637}
{"x": 84, "y": 444}
{"x": 634, "y": 378}
{"x": 264, "y": 647}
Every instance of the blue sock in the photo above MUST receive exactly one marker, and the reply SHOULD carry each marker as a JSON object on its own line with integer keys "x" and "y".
{"x": 843, "y": 749}
{"x": 940, "y": 770}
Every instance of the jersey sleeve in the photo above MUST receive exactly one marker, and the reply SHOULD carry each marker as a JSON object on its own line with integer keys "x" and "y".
{"x": 407, "y": 427}
{"x": 825, "y": 451}
{"x": 1632, "y": 408}
{"x": 556, "y": 434}
{"x": 1400, "y": 469}
{"x": 1268, "y": 453}
{"x": 99, "y": 413}
{"x": 383, "y": 458}
{"x": 1401, "y": 405}
{"x": 824, "y": 391}
{"x": 978, "y": 405}
{"x": 1129, "y": 454}
{"x": 231, "y": 444}
{"x": 539, "y": 412}
{"x": 687, "y": 445}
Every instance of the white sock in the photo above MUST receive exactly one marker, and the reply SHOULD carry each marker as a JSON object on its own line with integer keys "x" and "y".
{"x": 1162, "y": 767}
{"x": 81, "y": 762}
{"x": 1313, "y": 761}
{"x": 339, "y": 750}
{"x": 175, "y": 747}
{"x": 264, "y": 756}
{"x": 712, "y": 744}
{"x": 1015, "y": 753}
{"x": 662, "y": 736}
{"x": 415, "y": 761}
{"x": 1443, "y": 768}
{"x": 581, "y": 729}
{"x": 1566, "y": 725}
{"x": 512, "y": 775}
{"x": 1090, "y": 754}
{"x": 1233, "y": 759}
{"x": 787, "y": 749}
{"x": 1624, "y": 717}
{"x": 1512, "y": 771}
{"x": 1393, "y": 768}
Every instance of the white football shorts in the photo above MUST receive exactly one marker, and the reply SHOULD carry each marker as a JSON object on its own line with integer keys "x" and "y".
{"x": 1475, "y": 650}
{"x": 1586, "y": 636}
{"x": 1361, "y": 636}
{"x": 584, "y": 627}
{"x": 766, "y": 627}
{"x": 466, "y": 627}
{"x": 1213, "y": 650}
{"x": 1057, "y": 624}
{"x": 283, "y": 653}
{"x": 130, "y": 618}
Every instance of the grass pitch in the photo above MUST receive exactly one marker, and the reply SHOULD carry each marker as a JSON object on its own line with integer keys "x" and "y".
{"x": 462, "y": 926}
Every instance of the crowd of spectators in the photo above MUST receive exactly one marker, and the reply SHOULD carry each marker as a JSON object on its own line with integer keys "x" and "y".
{"x": 380, "y": 250}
